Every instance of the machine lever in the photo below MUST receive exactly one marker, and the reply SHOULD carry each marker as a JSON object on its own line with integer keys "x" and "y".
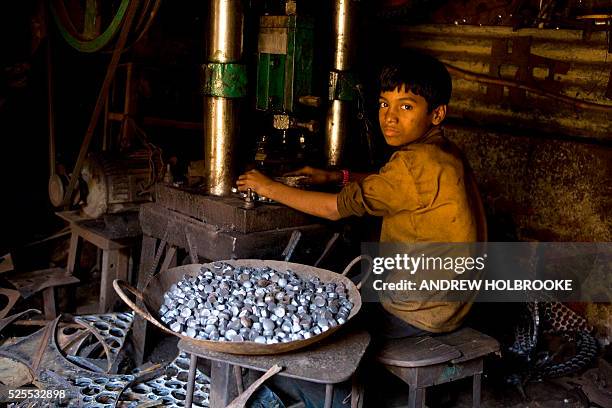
{"x": 293, "y": 241}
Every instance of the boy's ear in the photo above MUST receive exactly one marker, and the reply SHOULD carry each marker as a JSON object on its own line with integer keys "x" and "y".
{"x": 438, "y": 115}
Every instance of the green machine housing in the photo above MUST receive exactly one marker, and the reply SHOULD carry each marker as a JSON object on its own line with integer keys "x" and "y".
{"x": 284, "y": 67}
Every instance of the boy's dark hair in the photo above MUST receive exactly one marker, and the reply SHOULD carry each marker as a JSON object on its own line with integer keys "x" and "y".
{"x": 420, "y": 74}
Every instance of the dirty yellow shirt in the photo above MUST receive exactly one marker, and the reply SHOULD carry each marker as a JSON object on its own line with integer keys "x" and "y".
{"x": 425, "y": 193}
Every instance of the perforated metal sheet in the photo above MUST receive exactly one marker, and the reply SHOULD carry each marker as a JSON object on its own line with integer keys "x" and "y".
{"x": 171, "y": 387}
{"x": 111, "y": 330}
{"x": 52, "y": 370}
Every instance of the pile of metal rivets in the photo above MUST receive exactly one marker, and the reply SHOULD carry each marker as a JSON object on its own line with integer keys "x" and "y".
{"x": 224, "y": 303}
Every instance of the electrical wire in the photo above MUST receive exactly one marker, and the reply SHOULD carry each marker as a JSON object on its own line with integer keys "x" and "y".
{"x": 577, "y": 103}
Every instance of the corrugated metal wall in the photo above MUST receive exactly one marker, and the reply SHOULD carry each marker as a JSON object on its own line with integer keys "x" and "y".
{"x": 470, "y": 48}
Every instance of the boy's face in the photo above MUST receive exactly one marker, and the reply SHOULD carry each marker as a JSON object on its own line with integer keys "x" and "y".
{"x": 403, "y": 116}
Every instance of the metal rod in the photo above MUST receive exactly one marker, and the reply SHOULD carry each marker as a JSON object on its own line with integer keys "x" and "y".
{"x": 225, "y": 42}
{"x": 336, "y": 129}
{"x": 144, "y": 280}
{"x": 344, "y": 34}
{"x": 220, "y": 134}
{"x": 193, "y": 364}
{"x": 329, "y": 395}
{"x": 329, "y": 246}
{"x": 193, "y": 249}
{"x": 168, "y": 258}
{"x": 225, "y": 45}
{"x": 293, "y": 241}
{"x": 241, "y": 400}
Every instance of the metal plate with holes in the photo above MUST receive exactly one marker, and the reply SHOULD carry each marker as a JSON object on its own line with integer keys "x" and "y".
{"x": 171, "y": 387}
{"x": 111, "y": 330}
{"x": 51, "y": 370}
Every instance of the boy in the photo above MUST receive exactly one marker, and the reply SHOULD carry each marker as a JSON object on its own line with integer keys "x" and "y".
{"x": 425, "y": 192}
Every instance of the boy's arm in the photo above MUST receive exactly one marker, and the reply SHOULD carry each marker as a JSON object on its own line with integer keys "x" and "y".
{"x": 322, "y": 205}
{"x": 318, "y": 176}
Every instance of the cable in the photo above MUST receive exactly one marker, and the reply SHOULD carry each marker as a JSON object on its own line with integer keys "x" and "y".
{"x": 578, "y": 103}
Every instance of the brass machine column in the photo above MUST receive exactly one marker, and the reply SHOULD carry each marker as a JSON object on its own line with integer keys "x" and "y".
{"x": 340, "y": 94}
{"x": 224, "y": 88}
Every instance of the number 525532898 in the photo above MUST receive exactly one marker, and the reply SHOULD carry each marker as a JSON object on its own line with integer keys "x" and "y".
{"x": 35, "y": 393}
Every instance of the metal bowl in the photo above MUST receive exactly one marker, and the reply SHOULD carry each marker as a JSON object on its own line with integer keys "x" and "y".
{"x": 153, "y": 295}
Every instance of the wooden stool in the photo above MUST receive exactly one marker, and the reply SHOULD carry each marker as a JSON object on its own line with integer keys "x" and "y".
{"x": 424, "y": 361}
{"x": 115, "y": 245}
{"x": 332, "y": 361}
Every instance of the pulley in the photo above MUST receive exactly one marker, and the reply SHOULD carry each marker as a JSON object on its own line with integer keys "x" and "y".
{"x": 57, "y": 188}
{"x": 92, "y": 25}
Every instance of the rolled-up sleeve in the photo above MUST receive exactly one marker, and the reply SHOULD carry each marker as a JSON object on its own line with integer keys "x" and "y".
{"x": 383, "y": 194}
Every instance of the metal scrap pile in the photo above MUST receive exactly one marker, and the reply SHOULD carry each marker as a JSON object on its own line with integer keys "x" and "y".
{"x": 77, "y": 363}
{"x": 263, "y": 305}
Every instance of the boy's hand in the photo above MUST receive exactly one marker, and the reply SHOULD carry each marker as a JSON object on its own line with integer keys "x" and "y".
{"x": 316, "y": 176}
{"x": 311, "y": 202}
{"x": 256, "y": 181}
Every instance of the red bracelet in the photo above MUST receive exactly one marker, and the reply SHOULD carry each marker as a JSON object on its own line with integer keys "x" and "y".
{"x": 345, "y": 177}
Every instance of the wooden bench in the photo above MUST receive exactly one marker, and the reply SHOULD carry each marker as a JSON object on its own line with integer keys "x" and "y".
{"x": 425, "y": 361}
